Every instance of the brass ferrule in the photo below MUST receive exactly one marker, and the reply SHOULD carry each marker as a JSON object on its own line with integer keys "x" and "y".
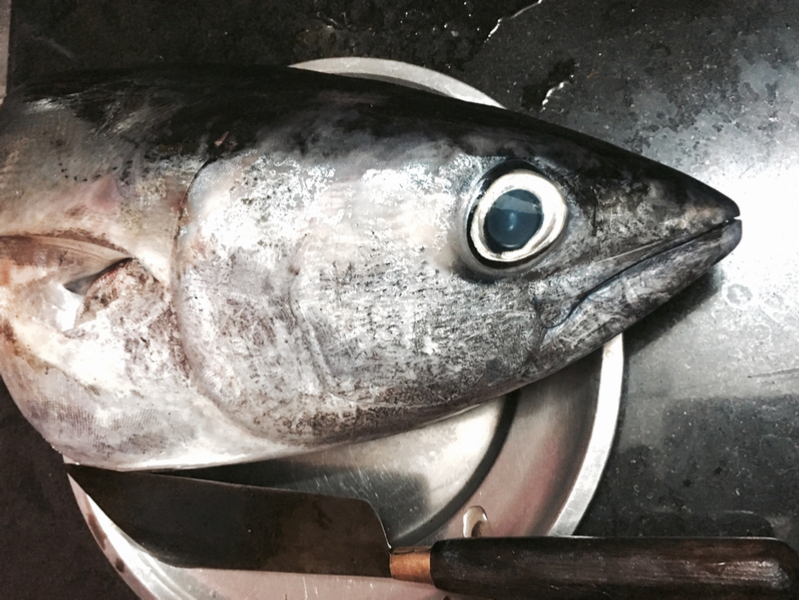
{"x": 411, "y": 564}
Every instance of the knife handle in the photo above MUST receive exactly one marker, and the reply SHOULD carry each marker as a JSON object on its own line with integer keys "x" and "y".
{"x": 552, "y": 568}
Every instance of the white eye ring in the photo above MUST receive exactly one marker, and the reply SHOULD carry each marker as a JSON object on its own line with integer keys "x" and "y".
{"x": 554, "y": 216}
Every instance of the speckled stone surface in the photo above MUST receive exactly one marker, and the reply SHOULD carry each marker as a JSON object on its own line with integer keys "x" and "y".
{"x": 707, "y": 441}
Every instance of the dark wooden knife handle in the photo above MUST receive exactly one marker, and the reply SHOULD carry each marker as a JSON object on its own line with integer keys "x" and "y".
{"x": 637, "y": 568}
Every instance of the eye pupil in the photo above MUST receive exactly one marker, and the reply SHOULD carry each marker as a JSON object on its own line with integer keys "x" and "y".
{"x": 513, "y": 219}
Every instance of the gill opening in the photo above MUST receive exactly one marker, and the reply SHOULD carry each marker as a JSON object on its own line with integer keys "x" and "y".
{"x": 81, "y": 285}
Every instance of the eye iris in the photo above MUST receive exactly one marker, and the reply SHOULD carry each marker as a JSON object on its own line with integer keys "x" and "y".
{"x": 513, "y": 220}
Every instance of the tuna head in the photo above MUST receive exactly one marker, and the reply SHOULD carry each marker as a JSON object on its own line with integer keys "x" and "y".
{"x": 324, "y": 260}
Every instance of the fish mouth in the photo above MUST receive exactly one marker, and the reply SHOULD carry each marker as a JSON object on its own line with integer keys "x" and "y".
{"x": 630, "y": 294}
{"x": 706, "y": 230}
{"x": 713, "y": 244}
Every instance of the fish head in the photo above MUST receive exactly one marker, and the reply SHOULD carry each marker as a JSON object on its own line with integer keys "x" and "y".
{"x": 218, "y": 266}
{"x": 409, "y": 270}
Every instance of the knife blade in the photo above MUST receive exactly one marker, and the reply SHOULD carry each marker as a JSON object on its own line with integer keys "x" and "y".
{"x": 190, "y": 522}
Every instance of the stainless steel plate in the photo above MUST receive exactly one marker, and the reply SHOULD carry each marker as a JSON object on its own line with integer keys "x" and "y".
{"x": 525, "y": 464}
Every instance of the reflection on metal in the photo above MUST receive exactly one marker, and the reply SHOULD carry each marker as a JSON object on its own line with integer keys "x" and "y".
{"x": 600, "y": 443}
{"x": 414, "y": 481}
{"x": 476, "y": 523}
{"x": 530, "y": 462}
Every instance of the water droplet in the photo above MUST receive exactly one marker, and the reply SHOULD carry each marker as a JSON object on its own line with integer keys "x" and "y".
{"x": 739, "y": 294}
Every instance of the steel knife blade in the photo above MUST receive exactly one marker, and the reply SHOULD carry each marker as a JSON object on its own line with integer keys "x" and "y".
{"x": 191, "y": 522}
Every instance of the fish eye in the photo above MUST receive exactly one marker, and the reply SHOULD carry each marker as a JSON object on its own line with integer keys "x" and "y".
{"x": 516, "y": 216}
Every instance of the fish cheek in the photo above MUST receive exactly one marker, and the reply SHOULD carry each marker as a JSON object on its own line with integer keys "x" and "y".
{"x": 425, "y": 343}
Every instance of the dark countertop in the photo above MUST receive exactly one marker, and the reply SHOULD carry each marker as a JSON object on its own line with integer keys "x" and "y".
{"x": 707, "y": 441}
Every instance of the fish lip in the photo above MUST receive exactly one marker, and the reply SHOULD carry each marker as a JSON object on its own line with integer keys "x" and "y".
{"x": 596, "y": 317}
{"x": 675, "y": 247}
{"x": 663, "y": 250}
{"x": 710, "y": 232}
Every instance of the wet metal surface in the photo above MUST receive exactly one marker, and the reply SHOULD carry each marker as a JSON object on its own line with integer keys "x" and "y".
{"x": 707, "y": 438}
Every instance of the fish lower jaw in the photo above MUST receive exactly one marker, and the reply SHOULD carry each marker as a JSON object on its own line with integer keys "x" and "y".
{"x": 617, "y": 303}
{"x": 666, "y": 253}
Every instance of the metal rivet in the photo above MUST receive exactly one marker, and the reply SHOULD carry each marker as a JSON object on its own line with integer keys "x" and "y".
{"x": 476, "y": 523}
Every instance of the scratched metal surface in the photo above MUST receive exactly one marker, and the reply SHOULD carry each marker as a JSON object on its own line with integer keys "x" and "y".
{"x": 707, "y": 439}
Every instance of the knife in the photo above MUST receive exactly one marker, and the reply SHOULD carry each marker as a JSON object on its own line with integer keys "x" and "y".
{"x": 190, "y": 522}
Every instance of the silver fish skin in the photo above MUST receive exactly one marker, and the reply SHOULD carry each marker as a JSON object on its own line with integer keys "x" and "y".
{"x": 201, "y": 266}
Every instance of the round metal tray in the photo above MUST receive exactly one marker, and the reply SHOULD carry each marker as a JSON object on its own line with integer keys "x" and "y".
{"x": 525, "y": 464}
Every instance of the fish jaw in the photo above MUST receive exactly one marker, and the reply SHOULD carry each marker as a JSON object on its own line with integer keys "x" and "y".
{"x": 633, "y": 293}
{"x": 674, "y": 228}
